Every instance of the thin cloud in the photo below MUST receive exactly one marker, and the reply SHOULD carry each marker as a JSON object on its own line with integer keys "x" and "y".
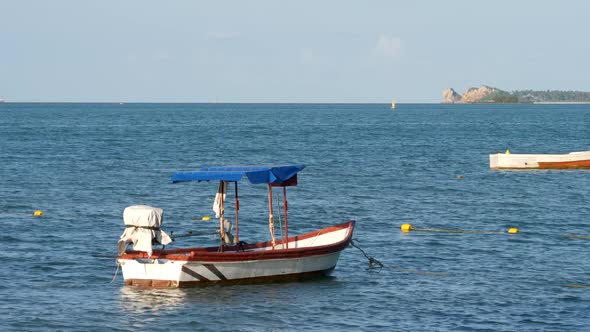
{"x": 131, "y": 57}
{"x": 223, "y": 35}
{"x": 388, "y": 46}
{"x": 307, "y": 55}
{"x": 161, "y": 55}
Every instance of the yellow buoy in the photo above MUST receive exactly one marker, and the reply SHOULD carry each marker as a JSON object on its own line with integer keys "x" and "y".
{"x": 206, "y": 218}
{"x": 459, "y": 177}
{"x": 406, "y": 227}
{"x": 507, "y": 151}
{"x": 38, "y": 213}
{"x": 512, "y": 230}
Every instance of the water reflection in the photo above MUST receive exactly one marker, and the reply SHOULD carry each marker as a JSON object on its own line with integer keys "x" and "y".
{"x": 141, "y": 300}
{"x": 136, "y": 300}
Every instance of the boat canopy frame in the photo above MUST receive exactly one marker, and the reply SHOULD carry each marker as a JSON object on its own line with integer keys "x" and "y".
{"x": 273, "y": 176}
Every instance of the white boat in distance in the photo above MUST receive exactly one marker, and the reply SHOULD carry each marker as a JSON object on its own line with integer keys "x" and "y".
{"x": 573, "y": 160}
{"x": 233, "y": 261}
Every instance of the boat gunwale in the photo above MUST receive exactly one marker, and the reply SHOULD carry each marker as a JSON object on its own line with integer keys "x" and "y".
{"x": 236, "y": 254}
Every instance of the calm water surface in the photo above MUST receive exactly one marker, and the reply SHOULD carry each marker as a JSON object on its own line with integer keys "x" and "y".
{"x": 82, "y": 164}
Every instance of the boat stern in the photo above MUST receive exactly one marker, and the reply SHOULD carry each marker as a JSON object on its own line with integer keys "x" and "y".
{"x": 151, "y": 272}
{"x": 513, "y": 161}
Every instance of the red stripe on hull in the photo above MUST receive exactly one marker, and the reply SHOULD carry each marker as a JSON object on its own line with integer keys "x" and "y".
{"x": 267, "y": 279}
{"x": 565, "y": 164}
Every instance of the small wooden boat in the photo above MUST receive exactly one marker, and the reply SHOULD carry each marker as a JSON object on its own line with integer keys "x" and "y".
{"x": 232, "y": 261}
{"x": 573, "y": 160}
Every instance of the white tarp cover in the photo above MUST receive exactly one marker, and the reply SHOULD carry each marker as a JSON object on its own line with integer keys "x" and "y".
{"x": 219, "y": 198}
{"x": 143, "y": 225}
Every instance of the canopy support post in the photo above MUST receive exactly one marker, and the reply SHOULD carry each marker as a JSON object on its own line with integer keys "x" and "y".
{"x": 271, "y": 223}
{"x": 237, "y": 239}
{"x": 221, "y": 214}
{"x": 286, "y": 208}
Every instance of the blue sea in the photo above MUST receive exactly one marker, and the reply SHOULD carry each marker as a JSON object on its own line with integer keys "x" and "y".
{"x": 423, "y": 164}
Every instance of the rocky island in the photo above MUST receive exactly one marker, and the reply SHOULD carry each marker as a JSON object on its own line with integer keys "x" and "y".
{"x": 487, "y": 94}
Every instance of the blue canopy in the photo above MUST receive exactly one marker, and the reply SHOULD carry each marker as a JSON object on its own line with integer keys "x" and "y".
{"x": 255, "y": 174}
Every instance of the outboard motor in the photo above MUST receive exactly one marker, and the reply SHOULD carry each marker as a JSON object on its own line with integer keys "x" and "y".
{"x": 142, "y": 224}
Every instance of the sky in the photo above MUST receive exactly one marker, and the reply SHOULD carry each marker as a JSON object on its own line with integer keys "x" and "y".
{"x": 287, "y": 51}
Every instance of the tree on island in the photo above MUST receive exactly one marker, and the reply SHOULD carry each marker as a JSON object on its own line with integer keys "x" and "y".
{"x": 531, "y": 96}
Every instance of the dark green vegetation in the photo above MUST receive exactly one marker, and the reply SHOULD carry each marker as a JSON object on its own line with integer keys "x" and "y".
{"x": 531, "y": 96}
{"x": 500, "y": 96}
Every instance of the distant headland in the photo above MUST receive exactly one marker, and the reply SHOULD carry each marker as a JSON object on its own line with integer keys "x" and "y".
{"x": 486, "y": 94}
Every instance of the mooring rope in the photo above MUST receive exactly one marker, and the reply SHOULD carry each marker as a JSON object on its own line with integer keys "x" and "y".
{"x": 376, "y": 264}
{"x": 408, "y": 228}
{"x": 117, "y": 262}
{"x": 315, "y": 238}
{"x": 585, "y": 237}
{"x": 464, "y": 231}
{"x": 116, "y": 272}
{"x": 576, "y": 286}
{"x": 191, "y": 233}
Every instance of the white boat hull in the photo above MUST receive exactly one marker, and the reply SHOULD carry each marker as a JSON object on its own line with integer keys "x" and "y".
{"x": 169, "y": 273}
{"x": 308, "y": 255}
{"x": 575, "y": 160}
